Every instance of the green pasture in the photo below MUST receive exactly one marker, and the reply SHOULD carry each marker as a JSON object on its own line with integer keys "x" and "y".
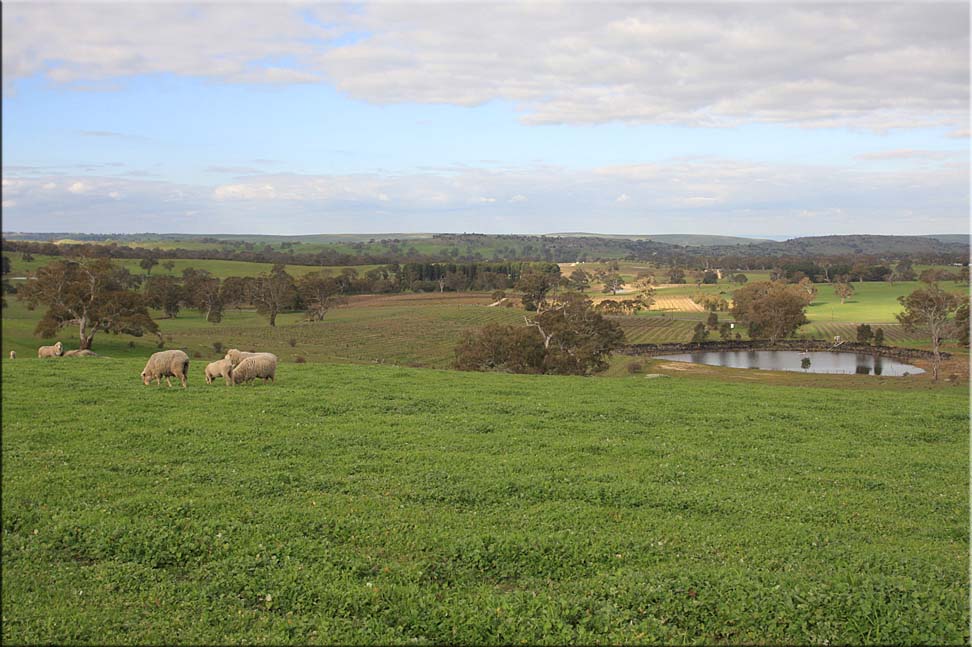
{"x": 386, "y": 505}
{"x": 872, "y": 302}
{"x": 421, "y": 335}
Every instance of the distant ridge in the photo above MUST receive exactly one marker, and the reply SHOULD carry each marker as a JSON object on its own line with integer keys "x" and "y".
{"x": 688, "y": 240}
{"x": 948, "y": 238}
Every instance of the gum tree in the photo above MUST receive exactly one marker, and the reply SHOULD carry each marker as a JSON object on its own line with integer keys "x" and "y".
{"x": 931, "y": 310}
{"x": 90, "y": 293}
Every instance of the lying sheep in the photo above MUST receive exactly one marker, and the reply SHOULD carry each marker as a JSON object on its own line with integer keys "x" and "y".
{"x": 219, "y": 368}
{"x": 167, "y": 363}
{"x": 80, "y": 353}
{"x": 262, "y": 365}
{"x": 51, "y": 351}
{"x": 13, "y": 354}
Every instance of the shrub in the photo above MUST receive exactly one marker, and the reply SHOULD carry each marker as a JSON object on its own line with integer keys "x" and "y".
{"x": 635, "y": 367}
{"x": 864, "y": 334}
{"x": 218, "y": 347}
{"x": 700, "y": 334}
{"x": 300, "y": 359}
{"x": 293, "y": 342}
{"x": 197, "y": 354}
{"x": 879, "y": 337}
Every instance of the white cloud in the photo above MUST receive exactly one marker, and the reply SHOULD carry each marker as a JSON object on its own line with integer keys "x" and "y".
{"x": 245, "y": 192}
{"x": 7, "y": 204}
{"x": 868, "y": 65}
{"x": 519, "y": 197}
{"x": 687, "y": 195}
{"x": 78, "y": 187}
{"x": 909, "y": 154}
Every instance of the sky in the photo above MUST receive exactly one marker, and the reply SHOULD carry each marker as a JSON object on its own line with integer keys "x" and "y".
{"x": 742, "y": 119}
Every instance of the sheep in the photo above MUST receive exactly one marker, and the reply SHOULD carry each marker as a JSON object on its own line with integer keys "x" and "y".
{"x": 263, "y": 365}
{"x": 220, "y": 368}
{"x": 167, "y": 363}
{"x": 80, "y": 353}
{"x": 50, "y": 351}
{"x": 13, "y": 354}
{"x": 236, "y": 356}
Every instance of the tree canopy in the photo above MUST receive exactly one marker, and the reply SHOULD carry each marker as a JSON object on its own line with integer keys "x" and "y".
{"x": 91, "y": 293}
{"x": 770, "y": 309}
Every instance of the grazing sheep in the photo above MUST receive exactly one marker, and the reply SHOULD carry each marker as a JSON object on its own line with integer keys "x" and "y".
{"x": 263, "y": 365}
{"x": 219, "y": 368}
{"x": 236, "y": 356}
{"x": 80, "y": 353}
{"x": 50, "y": 351}
{"x": 167, "y": 363}
{"x": 13, "y": 354}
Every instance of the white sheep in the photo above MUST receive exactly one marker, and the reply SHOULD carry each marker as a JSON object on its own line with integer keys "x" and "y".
{"x": 236, "y": 356}
{"x": 13, "y": 354}
{"x": 80, "y": 353}
{"x": 220, "y": 368}
{"x": 51, "y": 351}
{"x": 262, "y": 365}
{"x": 167, "y": 363}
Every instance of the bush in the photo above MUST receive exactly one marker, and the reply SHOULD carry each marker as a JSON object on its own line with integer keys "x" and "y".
{"x": 300, "y": 359}
{"x": 218, "y": 347}
{"x": 864, "y": 334}
{"x": 879, "y": 337}
{"x": 700, "y": 334}
{"x": 196, "y": 355}
{"x": 725, "y": 331}
{"x": 293, "y": 342}
{"x": 635, "y": 367}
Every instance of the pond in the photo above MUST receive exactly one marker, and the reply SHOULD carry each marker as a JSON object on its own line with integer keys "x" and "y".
{"x": 791, "y": 360}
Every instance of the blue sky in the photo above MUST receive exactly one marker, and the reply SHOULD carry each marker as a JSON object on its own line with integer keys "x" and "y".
{"x": 463, "y": 118}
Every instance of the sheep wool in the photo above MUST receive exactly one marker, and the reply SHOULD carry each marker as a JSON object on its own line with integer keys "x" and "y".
{"x": 51, "y": 351}
{"x": 220, "y": 368}
{"x": 262, "y": 365}
{"x": 13, "y": 354}
{"x": 167, "y": 363}
{"x": 236, "y": 356}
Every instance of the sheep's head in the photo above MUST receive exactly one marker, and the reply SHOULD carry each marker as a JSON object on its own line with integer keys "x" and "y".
{"x": 59, "y": 348}
{"x": 145, "y": 378}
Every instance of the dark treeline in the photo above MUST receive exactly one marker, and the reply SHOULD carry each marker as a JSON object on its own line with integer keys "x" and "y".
{"x": 478, "y": 248}
{"x": 237, "y": 251}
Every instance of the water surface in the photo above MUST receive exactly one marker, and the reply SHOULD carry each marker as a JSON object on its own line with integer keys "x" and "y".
{"x": 792, "y": 360}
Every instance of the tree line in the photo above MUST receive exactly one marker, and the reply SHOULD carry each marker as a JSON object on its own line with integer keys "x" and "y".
{"x": 480, "y": 248}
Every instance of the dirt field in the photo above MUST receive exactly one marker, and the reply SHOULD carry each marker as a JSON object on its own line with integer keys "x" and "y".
{"x": 676, "y": 304}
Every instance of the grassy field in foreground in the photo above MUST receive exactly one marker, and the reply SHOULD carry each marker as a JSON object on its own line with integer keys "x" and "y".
{"x": 372, "y": 504}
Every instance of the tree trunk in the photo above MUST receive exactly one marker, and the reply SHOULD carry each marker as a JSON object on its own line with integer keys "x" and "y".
{"x": 273, "y": 318}
{"x": 83, "y": 334}
{"x": 938, "y": 357}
